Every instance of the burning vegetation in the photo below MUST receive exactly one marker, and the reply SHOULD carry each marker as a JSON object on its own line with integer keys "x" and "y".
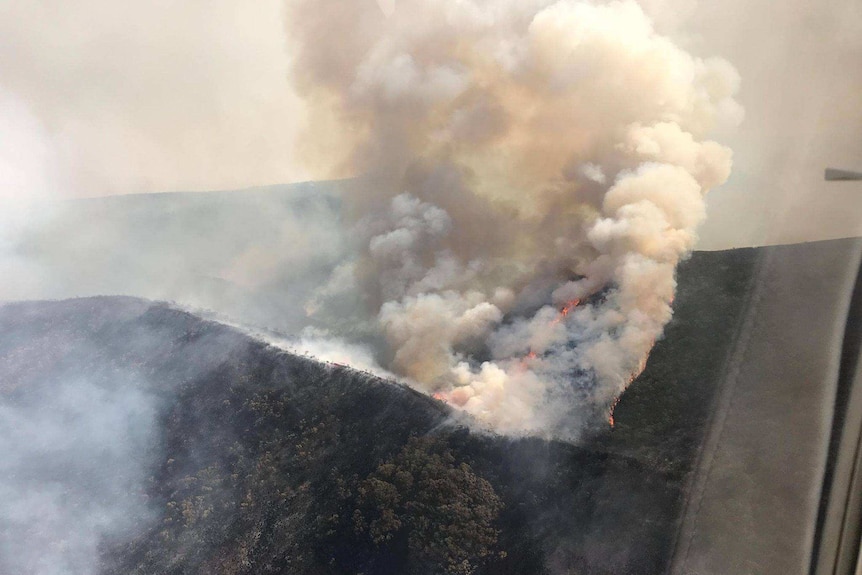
{"x": 516, "y": 161}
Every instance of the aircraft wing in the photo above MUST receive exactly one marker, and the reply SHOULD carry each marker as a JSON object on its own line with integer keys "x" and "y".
{"x": 842, "y": 175}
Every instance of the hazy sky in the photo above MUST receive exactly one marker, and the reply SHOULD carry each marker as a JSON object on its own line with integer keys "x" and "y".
{"x": 801, "y": 68}
{"x": 101, "y": 97}
{"x": 120, "y": 97}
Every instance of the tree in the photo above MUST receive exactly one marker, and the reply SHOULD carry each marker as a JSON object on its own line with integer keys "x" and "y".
{"x": 444, "y": 511}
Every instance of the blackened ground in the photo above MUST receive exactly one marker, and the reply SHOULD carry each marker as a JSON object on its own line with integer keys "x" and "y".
{"x": 273, "y": 463}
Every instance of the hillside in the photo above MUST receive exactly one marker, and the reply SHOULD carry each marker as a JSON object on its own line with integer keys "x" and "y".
{"x": 235, "y": 251}
{"x": 243, "y": 458}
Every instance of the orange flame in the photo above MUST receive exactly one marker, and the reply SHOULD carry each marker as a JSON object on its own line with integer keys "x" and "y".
{"x": 566, "y": 309}
{"x": 569, "y": 307}
{"x": 611, "y": 411}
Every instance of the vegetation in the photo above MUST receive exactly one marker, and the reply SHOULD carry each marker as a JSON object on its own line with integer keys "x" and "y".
{"x": 271, "y": 463}
{"x": 443, "y": 513}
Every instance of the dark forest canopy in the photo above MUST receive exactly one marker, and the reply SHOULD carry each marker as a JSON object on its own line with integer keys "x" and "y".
{"x": 259, "y": 461}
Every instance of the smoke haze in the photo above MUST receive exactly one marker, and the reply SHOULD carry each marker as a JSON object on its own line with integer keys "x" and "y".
{"x": 73, "y": 452}
{"x": 507, "y": 155}
{"x": 142, "y": 97}
{"x": 524, "y": 178}
{"x": 160, "y": 96}
{"x": 801, "y": 82}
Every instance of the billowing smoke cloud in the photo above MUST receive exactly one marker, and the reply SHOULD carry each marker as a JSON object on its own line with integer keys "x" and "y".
{"x": 534, "y": 173}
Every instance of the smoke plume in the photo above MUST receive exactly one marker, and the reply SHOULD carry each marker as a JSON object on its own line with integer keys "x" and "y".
{"x": 532, "y": 174}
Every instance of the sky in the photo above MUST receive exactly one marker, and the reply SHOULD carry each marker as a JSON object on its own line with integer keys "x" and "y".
{"x": 130, "y": 97}
{"x": 100, "y": 98}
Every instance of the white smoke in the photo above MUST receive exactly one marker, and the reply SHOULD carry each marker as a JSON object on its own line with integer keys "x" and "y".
{"x": 535, "y": 172}
{"x": 73, "y": 466}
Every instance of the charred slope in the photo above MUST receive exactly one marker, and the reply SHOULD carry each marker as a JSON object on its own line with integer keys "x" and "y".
{"x": 264, "y": 462}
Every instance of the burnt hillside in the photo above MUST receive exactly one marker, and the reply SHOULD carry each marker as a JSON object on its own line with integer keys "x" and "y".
{"x": 259, "y": 461}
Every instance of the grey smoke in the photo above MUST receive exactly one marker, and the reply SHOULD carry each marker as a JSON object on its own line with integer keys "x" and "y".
{"x": 74, "y": 457}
